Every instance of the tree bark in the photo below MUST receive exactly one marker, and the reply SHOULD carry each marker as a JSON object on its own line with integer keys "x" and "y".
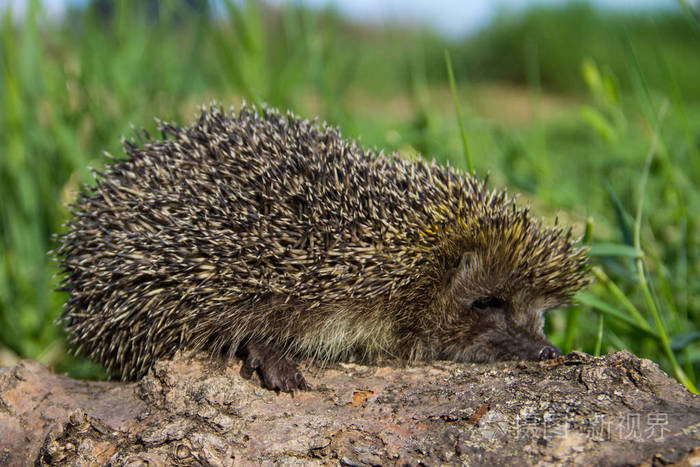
{"x": 577, "y": 409}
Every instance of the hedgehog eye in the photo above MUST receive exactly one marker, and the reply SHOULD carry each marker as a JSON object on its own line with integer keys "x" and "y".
{"x": 486, "y": 304}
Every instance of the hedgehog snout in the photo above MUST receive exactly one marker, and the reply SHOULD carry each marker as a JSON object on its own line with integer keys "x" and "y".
{"x": 537, "y": 349}
{"x": 512, "y": 340}
{"x": 549, "y": 352}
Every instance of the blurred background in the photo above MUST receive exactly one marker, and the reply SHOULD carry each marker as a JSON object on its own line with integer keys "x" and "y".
{"x": 591, "y": 111}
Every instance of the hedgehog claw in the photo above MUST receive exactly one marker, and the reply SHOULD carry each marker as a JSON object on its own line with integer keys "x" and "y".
{"x": 275, "y": 371}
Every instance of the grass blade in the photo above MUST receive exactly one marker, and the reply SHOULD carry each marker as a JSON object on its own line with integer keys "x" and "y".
{"x": 455, "y": 98}
{"x": 641, "y": 273}
{"x": 614, "y": 249}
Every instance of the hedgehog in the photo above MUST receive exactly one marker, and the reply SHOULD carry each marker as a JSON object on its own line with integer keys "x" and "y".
{"x": 263, "y": 236}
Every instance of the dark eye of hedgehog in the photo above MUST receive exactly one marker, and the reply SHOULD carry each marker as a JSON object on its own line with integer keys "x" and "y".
{"x": 488, "y": 303}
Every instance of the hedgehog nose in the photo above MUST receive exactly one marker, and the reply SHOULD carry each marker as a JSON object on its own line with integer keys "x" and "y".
{"x": 548, "y": 352}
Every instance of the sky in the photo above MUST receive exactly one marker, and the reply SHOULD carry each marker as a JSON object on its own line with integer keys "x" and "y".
{"x": 450, "y": 17}
{"x": 456, "y": 17}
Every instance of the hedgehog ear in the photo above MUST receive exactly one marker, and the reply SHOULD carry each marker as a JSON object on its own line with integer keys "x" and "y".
{"x": 466, "y": 260}
{"x": 463, "y": 262}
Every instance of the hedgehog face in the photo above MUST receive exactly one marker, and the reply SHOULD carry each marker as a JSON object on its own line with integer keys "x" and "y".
{"x": 493, "y": 329}
{"x": 492, "y": 317}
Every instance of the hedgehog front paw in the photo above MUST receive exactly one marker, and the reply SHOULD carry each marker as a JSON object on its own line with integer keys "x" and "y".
{"x": 276, "y": 372}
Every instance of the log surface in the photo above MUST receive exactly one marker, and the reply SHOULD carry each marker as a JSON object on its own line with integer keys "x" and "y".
{"x": 576, "y": 410}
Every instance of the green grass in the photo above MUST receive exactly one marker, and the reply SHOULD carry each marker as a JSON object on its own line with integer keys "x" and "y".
{"x": 591, "y": 116}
